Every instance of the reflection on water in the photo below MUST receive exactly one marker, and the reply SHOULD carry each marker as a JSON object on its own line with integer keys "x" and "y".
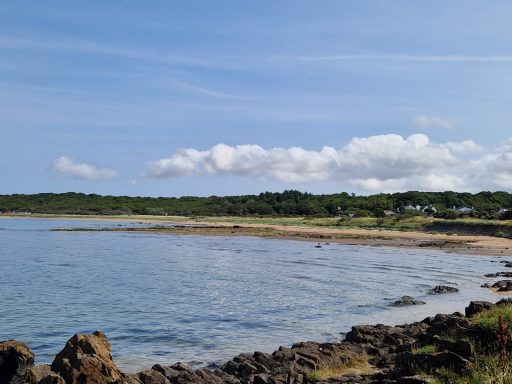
{"x": 163, "y": 298}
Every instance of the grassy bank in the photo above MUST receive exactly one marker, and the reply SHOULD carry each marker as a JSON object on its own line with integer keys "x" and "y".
{"x": 490, "y": 363}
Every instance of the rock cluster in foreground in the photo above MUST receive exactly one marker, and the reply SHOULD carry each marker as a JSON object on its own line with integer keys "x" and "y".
{"x": 369, "y": 354}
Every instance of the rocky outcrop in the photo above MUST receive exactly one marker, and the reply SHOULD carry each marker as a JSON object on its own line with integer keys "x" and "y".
{"x": 442, "y": 289}
{"x": 369, "y": 354}
{"x": 86, "y": 359}
{"x": 16, "y": 359}
{"x": 477, "y": 307}
{"x": 503, "y": 285}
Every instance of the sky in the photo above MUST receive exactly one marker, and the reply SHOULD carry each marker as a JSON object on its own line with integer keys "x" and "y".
{"x": 174, "y": 98}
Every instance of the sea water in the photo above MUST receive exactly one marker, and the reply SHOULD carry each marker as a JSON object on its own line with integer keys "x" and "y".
{"x": 162, "y": 298}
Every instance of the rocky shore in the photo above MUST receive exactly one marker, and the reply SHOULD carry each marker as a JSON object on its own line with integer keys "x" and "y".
{"x": 410, "y": 353}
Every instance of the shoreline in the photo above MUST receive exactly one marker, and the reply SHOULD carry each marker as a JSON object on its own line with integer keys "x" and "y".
{"x": 426, "y": 351}
{"x": 461, "y": 244}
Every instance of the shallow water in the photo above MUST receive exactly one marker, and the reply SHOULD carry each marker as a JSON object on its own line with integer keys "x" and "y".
{"x": 162, "y": 298}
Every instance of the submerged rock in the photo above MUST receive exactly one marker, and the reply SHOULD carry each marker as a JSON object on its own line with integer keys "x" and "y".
{"x": 407, "y": 300}
{"x": 499, "y": 274}
{"x": 87, "y": 357}
{"x": 441, "y": 289}
{"x": 15, "y": 360}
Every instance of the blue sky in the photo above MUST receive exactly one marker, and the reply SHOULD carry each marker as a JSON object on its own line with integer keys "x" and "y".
{"x": 232, "y": 97}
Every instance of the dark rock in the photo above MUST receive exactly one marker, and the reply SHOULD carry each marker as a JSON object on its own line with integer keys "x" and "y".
{"x": 442, "y": 289}
{"x": 132, "y": 379}
{"x": 460, "y": 347}
{"x": 505, "y": 301}
{"x": 503, "y": 285}
{"x": 42, "y": 374}
{"x": 152, "y": 376}
{"x": 37, "y": 373}
{"x": 87, "y": 357}
{"x": 407, "y": 300}
{"x": 53, "y": 378}
{"x": 408, "y": 362}
{"x": 15, "y": 360}
{"x": 417, "y": 379}
{"x": 486, "y": 285}
{"x": 477, "y": 307}
{"x": 499, "y": 274}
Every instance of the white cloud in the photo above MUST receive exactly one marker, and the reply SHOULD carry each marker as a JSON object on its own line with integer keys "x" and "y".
{"x": 433, "y": 122}
{"x": 465, "y": 146}
{"x": 494, "y": 170}
{"x": 68, "y": 167}
{"x": 375, "y": 184}
{"x": 375, "y": 163}
{"x": 382, "y": 163}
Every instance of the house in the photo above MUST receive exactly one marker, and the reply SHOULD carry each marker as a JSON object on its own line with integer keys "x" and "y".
{"x": 409, "y": 208}
{"x": 388, "y": 212}
{"x": 428, "y": 209}
{"x": 502, "y": 211}
{"x": 425, "y": 209}
{"x": 465, "y": 210}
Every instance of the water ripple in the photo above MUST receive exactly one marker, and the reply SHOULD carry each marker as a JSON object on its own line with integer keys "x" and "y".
{"x": 163, "y": 298}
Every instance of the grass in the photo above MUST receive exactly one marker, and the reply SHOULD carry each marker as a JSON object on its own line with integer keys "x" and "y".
{"x": 489, "y": 320}
{"x": 356, "y": 364}
{"x": 430, "y": 348}
{"x": 485, "y": 370}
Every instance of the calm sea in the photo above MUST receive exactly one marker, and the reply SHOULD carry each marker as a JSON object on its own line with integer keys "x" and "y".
{"x": 165, "y": 298}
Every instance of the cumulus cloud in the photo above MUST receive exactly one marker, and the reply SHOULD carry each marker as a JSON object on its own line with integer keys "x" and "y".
{"x": 494, "y": 169}
{"x": 433, "y": 122}
{"x": 68, "y": 167}
{"x": 378, "y": 163}
{"x": 466, "y": 146}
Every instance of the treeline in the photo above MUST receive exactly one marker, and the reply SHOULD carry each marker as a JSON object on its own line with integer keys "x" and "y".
{"x": 289, "y": 202}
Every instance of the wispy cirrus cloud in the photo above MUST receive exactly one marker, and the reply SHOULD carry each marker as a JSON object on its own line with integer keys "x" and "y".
{"x": 433, "y": 122}
{"x": 67, "y": 166}
{"x": 401, "y": 57}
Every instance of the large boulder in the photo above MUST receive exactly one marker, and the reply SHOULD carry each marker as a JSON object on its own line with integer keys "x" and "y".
{"x": 15, "y": 360}
{"x": 86, "y": 359}
{"x": 475, "y": 307}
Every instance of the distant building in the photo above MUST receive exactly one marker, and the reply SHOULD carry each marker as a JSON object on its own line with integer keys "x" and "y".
{"x": 425, "y": 209}
{"x": 465, "y": 210}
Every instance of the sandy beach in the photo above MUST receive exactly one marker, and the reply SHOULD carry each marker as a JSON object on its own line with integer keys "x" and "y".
{"x": 461, "y": 244}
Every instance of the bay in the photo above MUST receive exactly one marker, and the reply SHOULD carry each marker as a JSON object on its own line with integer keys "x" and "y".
{"x": 164, "y": 298}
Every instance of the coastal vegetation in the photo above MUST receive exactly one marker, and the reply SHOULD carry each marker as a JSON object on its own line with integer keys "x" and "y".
{"x": 485, "y": 205}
